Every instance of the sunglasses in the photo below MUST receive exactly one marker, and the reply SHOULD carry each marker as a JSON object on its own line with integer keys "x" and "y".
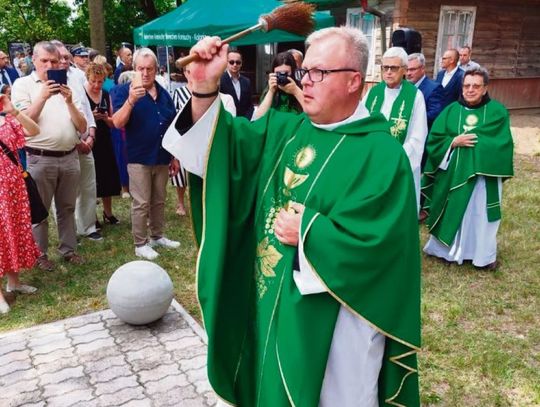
{"x": 391, "y": 68}
{"x": 233, "y": 62}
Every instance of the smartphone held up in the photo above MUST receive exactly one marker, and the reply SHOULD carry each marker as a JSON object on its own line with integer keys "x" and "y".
{"x": 137, "y": 79}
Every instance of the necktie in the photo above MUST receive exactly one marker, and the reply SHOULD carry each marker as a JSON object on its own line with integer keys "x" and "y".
{"x": 4, "y": 77}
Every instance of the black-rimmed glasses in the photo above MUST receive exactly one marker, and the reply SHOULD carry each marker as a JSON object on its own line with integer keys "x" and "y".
{"x": 316, "y": 74}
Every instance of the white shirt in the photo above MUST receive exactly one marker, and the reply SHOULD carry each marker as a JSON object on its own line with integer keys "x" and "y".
{"x": 417, "y": 84}
{"x": 448, "y": 76}
{"x": 236, "y": 85}
{"x": 76, "y": 80}
{"x": 57, "y": 130}
{"x": 469, "y": 65}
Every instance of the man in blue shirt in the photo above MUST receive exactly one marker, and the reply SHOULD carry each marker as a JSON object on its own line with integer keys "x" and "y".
{"x": 146, "y": 110}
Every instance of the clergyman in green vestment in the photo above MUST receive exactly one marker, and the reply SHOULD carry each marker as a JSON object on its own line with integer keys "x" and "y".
{"x": 403, "y": 106}
{"x": 470, "y": 151}
{"x": 308, "y": 271}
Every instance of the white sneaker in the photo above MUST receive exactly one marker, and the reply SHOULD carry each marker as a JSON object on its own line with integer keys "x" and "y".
{"x": 146, "y": 252}
{"x": 4, "y": 307}
{"x": 21, "y": 288}
{"x": 164, "y": 242}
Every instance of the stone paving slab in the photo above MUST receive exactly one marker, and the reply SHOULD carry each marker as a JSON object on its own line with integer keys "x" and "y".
{"x": 97, "y": 360}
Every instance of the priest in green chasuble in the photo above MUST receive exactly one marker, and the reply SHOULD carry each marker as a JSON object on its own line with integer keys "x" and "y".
{"x": 308, "y": 270}
{"x": 403, "y": 106}
{"x": 470, "y": 151}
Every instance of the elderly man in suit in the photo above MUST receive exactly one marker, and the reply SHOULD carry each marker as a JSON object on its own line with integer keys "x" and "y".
{"x": 433, "y": 92}
{"x": 8, "y": 75}
{"x": 450, "y": 76}
{"x": 237, "y": 85}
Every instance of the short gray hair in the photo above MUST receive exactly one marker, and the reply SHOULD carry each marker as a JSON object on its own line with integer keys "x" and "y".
{"x": 47, "y": 46}
{"x": 126, "y": 77}
{"x": 144, "y": 53}
{"x": 397, "y": 52}
{"x": 355, "y": 39}
{"x": 419, "y": 57}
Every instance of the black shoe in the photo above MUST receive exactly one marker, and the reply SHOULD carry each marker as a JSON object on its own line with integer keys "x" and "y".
{"x": 98, "y": 225}
{"x": 96, "y": 236}
{"x": 111, "y": 220}
{"x": 489, "y": 267}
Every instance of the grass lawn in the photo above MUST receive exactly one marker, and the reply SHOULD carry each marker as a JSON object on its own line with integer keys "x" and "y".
{"x": 481, "y": 330}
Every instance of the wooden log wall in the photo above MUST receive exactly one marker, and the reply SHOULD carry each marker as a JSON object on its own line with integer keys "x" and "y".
{"x": 506, "y": 38}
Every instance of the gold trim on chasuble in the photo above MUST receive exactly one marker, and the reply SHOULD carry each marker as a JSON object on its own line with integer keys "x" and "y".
{"x": 400, "y": 124}
{"x": 394, "y": 359}
{"x": 268, "y": 257}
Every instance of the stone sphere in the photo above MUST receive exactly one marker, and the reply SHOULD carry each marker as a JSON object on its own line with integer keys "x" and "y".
{"x": 139, "y": 292}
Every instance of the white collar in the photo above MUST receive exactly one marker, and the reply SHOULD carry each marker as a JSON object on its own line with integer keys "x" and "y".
{"x": 360, "y": 113}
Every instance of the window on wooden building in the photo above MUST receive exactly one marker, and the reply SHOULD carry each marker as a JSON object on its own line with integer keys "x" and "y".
{"x": 365, "y": 22}
{"x": 456, "y": 28}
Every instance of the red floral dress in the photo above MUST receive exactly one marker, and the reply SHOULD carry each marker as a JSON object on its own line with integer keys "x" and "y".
{"x": 18, "y": 249}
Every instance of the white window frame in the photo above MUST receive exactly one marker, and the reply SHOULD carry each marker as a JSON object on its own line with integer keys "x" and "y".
{"x": 469, "y": 37}
{"x": 354, "y": 15}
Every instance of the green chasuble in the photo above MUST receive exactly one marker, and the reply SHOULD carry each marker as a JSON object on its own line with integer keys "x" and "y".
{"x": 448, "y": 191}
{"x": 400, "y": 114}
{"x": 267, "y": 344}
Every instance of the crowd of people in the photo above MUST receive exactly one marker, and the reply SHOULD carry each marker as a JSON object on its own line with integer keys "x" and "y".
{"x": 302, "y": 202}
{"x": 83, "y": 138}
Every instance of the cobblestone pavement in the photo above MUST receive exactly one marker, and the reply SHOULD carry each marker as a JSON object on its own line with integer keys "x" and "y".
{"x": 97, "y": 360}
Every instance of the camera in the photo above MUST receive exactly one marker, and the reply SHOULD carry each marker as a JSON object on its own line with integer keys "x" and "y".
{"x": 282, "y": 78}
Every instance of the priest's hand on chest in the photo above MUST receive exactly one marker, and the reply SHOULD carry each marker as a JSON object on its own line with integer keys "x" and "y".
{"x": 287, "y": 224}
{"x": 465, "y": 140}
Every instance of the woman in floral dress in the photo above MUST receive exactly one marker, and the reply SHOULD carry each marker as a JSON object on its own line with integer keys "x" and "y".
{"x": 18, "y": 249}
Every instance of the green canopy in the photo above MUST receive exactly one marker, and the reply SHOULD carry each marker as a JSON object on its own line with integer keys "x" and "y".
{"x": 187, "y": 24}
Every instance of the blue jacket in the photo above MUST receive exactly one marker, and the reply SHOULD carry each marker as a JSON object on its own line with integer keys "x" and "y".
{"x": 452, "y": 91}
{"x": 11, "y": 73}
{"x": 118, "y": 71}
{"x": 244, "y": 107}
{"x": 434, "y": 97}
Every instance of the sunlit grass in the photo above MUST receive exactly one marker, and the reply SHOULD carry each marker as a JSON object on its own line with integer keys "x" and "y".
{"x": 481, "y": 330}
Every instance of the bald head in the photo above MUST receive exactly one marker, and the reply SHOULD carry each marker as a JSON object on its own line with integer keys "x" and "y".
{"x": 450, "y": 59}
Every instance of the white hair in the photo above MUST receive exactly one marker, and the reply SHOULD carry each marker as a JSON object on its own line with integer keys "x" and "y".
{"x": 397, "y": 52}
{"x": 358, "y": 45}
{"x": 143, "y": 53}
{"x": 126, "y": 77}
{"x": 418, "y": 56}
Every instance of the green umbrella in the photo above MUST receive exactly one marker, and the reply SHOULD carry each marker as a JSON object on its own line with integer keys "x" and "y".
{"x": 187, "y": 24}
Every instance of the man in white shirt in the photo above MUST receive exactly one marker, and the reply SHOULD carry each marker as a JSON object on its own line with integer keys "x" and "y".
{"x": 85, "y": 209}
{"x": 52, "y": 156}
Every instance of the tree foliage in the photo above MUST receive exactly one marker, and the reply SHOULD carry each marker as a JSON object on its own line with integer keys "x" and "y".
{"x": 36, "y": 20}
